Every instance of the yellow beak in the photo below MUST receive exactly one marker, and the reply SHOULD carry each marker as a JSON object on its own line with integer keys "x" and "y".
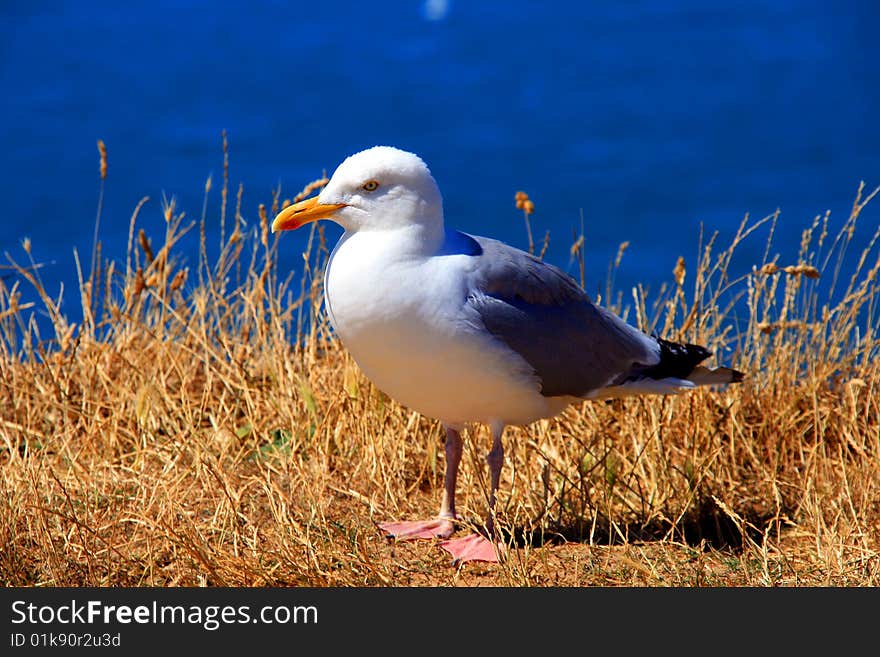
{"x": 298, "y": 214}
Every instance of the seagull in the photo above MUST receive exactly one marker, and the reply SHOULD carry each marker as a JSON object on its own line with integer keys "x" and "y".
{"x": 467, "y": 329}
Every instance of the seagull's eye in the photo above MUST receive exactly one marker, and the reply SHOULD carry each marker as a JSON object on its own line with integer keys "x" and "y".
{"x": 371, "y": 185}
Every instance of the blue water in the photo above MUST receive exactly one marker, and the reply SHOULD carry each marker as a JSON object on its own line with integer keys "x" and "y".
{"x": 646, "y": 118}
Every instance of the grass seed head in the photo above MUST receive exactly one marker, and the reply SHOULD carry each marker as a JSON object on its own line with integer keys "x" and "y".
{"x": 802, "y": 270}
{"x": 679, "y": 271}
{"x": 178, "y": 280}
{"x": 144, "y": 241}
{"x": 310, "y": 188}
{"x": 102, "y": 151}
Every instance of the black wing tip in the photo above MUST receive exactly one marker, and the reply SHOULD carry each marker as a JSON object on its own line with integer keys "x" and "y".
{"x": 677, "y": 360}
{"x": 682, "y": 357}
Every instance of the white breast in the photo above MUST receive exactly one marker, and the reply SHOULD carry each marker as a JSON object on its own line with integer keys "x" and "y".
{"x": 401, "y": 318}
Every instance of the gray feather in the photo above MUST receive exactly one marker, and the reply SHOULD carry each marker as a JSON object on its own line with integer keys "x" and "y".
{"x": 538, "y": 311}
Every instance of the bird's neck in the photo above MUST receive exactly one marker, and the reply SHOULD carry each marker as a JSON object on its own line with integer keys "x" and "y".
{"x": 415, "y": 239}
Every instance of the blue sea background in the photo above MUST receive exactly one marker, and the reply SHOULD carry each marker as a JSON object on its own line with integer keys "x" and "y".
{"x": 644, "y": 119}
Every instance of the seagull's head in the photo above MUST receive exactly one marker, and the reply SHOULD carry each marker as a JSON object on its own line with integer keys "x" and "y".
{"x": 381, "y": 188}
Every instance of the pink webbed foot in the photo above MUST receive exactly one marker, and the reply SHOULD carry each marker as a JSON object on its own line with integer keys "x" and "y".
{"x": 409, "y": 530}
{"x": 475, "y": 547}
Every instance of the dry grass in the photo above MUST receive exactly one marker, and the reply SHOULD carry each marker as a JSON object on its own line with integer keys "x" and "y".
{"x": 208, "y": 430}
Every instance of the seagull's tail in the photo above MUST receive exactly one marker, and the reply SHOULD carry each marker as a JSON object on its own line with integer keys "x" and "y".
{"x": 677, "y": 370}
{"x": 705, "y": 376}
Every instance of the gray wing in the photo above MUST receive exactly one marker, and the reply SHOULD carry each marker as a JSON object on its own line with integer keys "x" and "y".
{"x": 542, "y": 314}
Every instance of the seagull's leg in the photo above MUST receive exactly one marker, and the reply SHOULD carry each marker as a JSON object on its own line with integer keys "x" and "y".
{"x": 442, "y": 526}
{"x": 453, "y": 458}
{"x": 495, "y": 459}
{"x": 478, "y": 547}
